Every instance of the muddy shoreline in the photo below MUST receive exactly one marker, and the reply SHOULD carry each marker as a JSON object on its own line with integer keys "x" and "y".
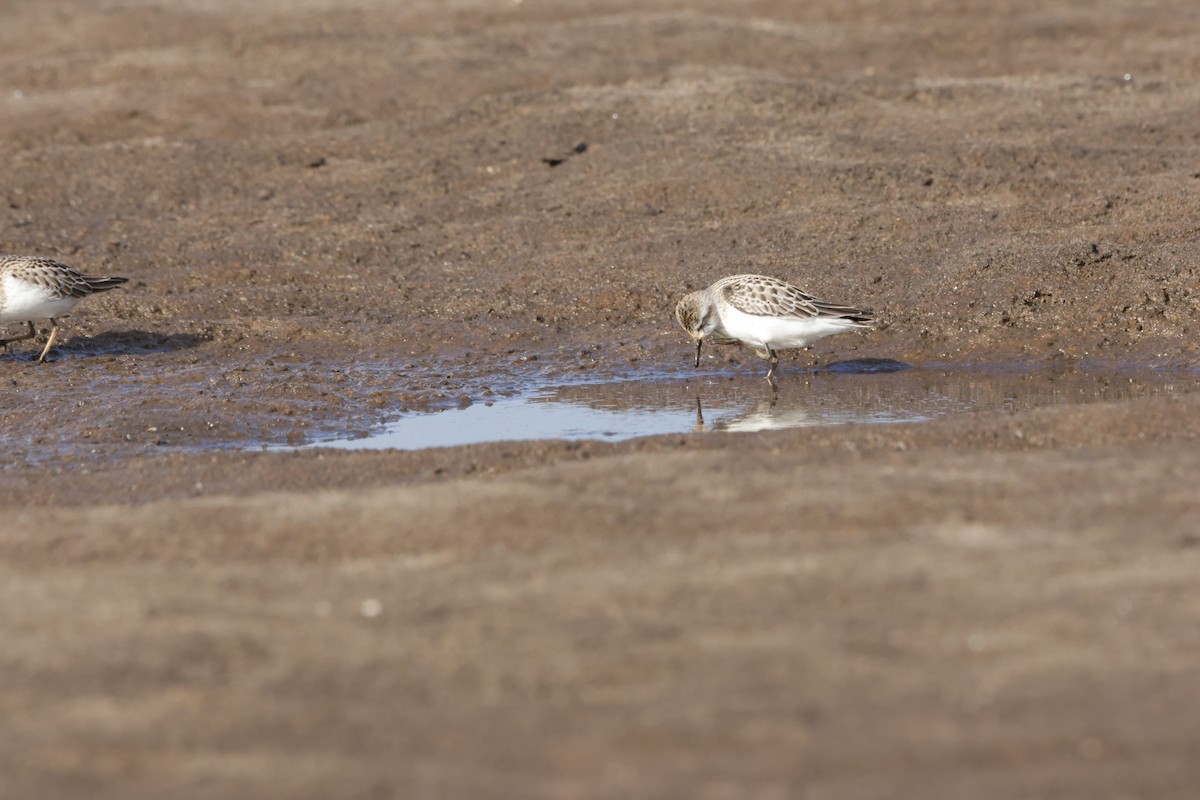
{"x": 334, "y": 213}
{"x": 863, "y": 612}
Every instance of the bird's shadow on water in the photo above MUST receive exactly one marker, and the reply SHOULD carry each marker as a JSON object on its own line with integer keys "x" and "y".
{"x": 863, "y": 366}
{"x": 109, "y": 343}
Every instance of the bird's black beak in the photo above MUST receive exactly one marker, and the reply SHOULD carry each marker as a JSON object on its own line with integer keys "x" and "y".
{"x": 699, "y": 342}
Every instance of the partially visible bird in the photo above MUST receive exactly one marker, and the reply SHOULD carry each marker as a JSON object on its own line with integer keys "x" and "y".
{"x": 41, "y": 288}
{"x": 764, "y": 313}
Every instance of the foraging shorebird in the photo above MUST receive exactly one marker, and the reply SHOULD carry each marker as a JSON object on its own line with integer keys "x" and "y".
{"x": 41, "y": 288}
{"x": 763, "y": 313}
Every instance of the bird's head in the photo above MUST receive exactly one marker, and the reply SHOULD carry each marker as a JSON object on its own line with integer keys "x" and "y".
{"x": 698, "y": 317}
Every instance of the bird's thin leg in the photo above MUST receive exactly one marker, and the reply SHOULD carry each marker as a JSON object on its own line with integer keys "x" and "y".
{"x": 32, "y": 333}
{"x": 774, "y": 363}
{"x": 699, "y": 342}
{"x": 50, "y": 341}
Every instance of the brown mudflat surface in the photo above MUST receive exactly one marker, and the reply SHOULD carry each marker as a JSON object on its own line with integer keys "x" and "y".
{"x": 335, "y": 213}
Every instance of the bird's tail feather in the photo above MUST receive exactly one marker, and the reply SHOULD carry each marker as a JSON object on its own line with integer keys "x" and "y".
{"x": 104, "y": 284}
{"x": 858, "y": 317}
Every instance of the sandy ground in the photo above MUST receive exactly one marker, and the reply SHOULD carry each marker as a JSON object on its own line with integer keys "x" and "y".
{"x": 335, "y": 213}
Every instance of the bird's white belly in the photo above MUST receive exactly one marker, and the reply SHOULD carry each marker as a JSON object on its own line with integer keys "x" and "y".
{"x": 27, "y": 301}
{"x": 779, "y": 333}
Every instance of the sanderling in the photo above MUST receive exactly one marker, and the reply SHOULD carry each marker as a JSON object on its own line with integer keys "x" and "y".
{"x": 764, "y": 313}
{"x": 40, "y": 288}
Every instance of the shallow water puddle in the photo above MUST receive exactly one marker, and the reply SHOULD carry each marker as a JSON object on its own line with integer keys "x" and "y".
{"x": 849, "y": 392}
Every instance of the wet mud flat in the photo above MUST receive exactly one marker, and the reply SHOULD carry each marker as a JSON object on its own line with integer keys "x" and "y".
{"x": 864, "y": 391}
{"x": 129, "y": 404}
{"x": 1005, "y": 598}
{"x": 339, "y": 216}
{"x": 1001, "y": 595}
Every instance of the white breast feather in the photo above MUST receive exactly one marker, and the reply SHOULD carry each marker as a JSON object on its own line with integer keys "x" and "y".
{"x": 780, "y": 333}
{"x": 29, "y": 301}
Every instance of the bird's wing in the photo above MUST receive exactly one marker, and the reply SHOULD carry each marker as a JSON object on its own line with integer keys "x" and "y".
{"x": 59, "y": 278}
{"x": 768, "y": 297}
{"x": 771, "y": 297}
